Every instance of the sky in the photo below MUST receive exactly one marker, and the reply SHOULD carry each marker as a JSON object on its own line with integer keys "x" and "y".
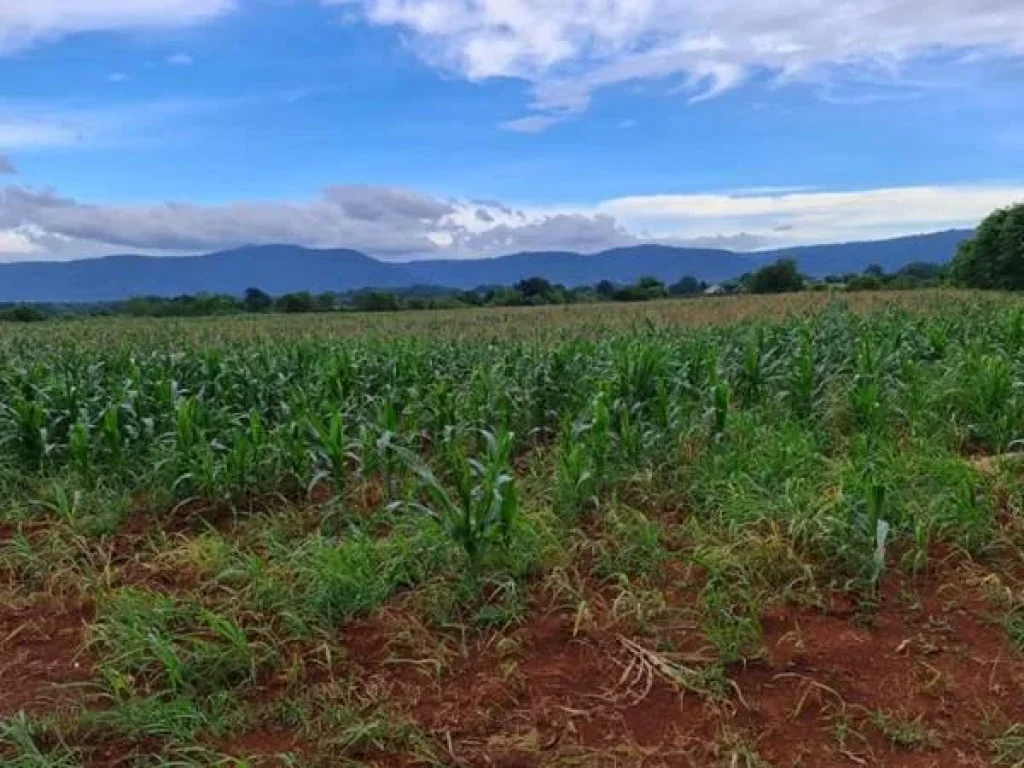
{"x": 468, "y": 128}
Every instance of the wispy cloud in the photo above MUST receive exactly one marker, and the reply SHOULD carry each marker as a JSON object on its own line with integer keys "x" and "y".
{"x": 26, "y": 22}
{"x": 7, "y": 167}
{"x": 180, "y": 60}
{"x": 37, "y": 125}
{"x": 570, "y": 48}
{"x": 35, "y": 132}
{"x": 532, "y": 123}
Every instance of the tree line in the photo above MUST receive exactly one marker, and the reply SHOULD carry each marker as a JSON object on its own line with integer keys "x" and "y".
{"x": 779, "y": 277}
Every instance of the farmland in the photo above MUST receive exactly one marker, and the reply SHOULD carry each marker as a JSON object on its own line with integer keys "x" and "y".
{"x": 741, "y": 532}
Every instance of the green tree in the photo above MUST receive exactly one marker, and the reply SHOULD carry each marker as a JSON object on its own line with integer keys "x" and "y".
{"x": 294, "y": 303}
{"x": 780, "y": 277}
{"x": 376, "y": 301}
{"x": 257, "y": 301}
{"x": 605, "y": 289}
{"x": 687, "y": 286}
{"x": 534, "y": 288}
{"x": 325, "y": 302}
{"x": 645, "y": 289}
{"x": 875, "y": 270}
{"x": 865, "y": 282}
{"x": 994, "y": 258}
{"x": 23, "y": 313}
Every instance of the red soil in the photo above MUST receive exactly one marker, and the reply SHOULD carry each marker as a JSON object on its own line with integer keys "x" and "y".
{"x": 41, "y": 656}
{"x": 935, "y": 661}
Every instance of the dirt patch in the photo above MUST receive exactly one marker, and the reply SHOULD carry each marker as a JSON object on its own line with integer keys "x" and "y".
{"x": 913, "y": 681}
{"x": 267, "y": 748}
{"x": 43, "y": 662}
{"x": 927, "y": 674}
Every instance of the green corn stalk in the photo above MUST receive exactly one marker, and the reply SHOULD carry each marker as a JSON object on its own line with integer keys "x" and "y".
{"x": 721, "y": 398}
{"x": 484, "y": 508}
{"x": 334, "y": 449}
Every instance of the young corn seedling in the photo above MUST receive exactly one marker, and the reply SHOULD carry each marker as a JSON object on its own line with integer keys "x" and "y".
{"x": 481, "y": 513}
{"x": 721, "y": 397}
{"x": 335, "y": 452}
{"x": 31, "y": 431}
{"x": 576, "y": 485}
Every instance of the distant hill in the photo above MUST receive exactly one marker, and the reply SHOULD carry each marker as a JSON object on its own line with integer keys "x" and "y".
{"x": 821, "y": 260}
{"x": 279, "y": 269}
{"x": 621, "y": 265}
{"x": 276, "y": 269}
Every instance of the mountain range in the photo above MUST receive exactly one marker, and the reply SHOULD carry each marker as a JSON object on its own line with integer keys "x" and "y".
{"x": 279, "y": 269}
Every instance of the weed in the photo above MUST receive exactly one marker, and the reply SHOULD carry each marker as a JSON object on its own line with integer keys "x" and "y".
{"x": 29, "y": 743}
{"x": 1008, "y": 749}
{"x": 901, "y": 731}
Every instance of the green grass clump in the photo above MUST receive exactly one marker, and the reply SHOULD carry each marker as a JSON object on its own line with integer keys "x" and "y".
{"x": 149, "y": 642}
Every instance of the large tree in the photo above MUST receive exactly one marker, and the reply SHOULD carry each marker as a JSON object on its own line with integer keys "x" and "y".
{"x": 994, "y": 257}
{"x": 780, "y": 277}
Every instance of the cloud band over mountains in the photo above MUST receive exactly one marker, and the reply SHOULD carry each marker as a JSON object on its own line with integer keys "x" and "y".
{"x": 403, "y": 224}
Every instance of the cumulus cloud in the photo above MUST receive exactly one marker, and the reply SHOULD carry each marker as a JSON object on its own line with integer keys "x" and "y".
{"x": 26, "y": 22}
{"x": 570, "y": 48}
{"x": 401, "y": 224}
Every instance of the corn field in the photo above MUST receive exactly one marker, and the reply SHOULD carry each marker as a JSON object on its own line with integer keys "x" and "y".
{"x": 228, "y": 504}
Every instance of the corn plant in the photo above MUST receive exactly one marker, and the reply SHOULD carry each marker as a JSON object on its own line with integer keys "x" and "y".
{"x": 480, "y": 514}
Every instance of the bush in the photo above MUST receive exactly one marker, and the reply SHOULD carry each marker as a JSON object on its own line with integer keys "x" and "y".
{"x": 295, "y": 303}
{"x": 23, "y": 314}
{"x": 864, "y": 283}
{"x": 376, "y": 301}
{"x": 645, "y": 289}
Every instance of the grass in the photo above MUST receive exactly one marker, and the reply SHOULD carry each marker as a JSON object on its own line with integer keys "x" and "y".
{"x": 1009, "y": 747}
{"x": 451, "y": 536}
{"x": 23, "y": 740}
{"x": 903, "y": 732}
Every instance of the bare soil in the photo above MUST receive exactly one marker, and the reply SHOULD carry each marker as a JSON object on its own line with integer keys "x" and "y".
{"x": 927, "y": 677}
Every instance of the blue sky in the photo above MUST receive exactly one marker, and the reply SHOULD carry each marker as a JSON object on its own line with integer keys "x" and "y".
{"x": 411, "y": 128}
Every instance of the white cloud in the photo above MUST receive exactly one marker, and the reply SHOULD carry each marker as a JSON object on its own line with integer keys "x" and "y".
{"x": 815, "y": 216}
{"x": 532, "y": 123}
{"x": 16, "y": 246}
{"x": 570, "y": 48}
{"x": 26, "y": 22}
{"x": 180, "y": 60}
{"x": 117, "y": 77}
{"x": 30, "y": 132}
{"x": 395, "y": 223}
